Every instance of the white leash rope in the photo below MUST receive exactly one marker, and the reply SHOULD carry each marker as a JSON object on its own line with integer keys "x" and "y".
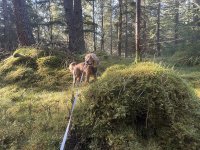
{"x": 67, "y": 130}
{"x": 68, "y": 126}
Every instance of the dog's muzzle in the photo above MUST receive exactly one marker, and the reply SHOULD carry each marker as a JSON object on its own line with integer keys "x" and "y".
{"x": 88, "y": 63}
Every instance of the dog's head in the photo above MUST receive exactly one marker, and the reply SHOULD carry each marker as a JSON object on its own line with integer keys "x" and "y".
{"x": 92, "y": 59}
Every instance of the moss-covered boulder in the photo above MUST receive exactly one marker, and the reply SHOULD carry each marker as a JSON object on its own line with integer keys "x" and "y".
{"x": 143, "y": 106}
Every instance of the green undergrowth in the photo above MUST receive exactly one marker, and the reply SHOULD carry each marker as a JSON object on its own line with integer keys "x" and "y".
{"x": 36, "y": 68}
{"x": 32, "y": 119}
{"x": 187, "y": 54}
{"x": 143, "y": 106}
{"x": 34, "y": 102}
{"x": 36, "y": 97}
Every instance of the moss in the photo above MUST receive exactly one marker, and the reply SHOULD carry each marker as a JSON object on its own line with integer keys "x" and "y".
{"x": 150, "y": 101}
{"x": 20, "y": 73}
{"x": 54, "y": 78}
{"x": 10, "y": 63}
{"x": 50, "y": 61}
{"x": 28, "y": 51}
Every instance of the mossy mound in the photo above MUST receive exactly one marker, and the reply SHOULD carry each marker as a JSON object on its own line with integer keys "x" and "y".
{"x": 36, "y": 67}
{"x": 50, "y": 61}
{"x": 143, "y": 106}
{"x": 20, "y": 73}
{"x": 29, "y": 52}
{"x": 10, "y": 63}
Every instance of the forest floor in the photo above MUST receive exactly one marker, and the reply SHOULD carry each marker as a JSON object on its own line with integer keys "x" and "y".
{"x": 34, "y": 114}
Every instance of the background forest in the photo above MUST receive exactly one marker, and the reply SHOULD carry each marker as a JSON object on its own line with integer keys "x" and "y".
{"x": 108, "y": 26}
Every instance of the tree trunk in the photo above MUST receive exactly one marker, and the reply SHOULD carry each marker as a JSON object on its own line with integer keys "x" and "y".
{"x": 120, "y": 29}
{"x": 68, "y": 6}
{"x": 158, "y": 30}
{"x": 137, "y": 32}
{"x": 24, "y": 30}
{"x": 126, "y": 40}
{"x": 74, "y": 19}
{"x": 102, "y": 25}
{"x": 94, "y": 28}
{"x": 176, "y": 22}
{"x": 38, "y": 26}
{"x": 51, "y": 25}
{"x": 78, "y": 23}
{"x": 6, "y": 23}
{"x": 111, "y": 27}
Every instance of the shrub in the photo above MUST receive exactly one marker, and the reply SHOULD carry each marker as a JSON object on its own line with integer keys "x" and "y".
{"x": 128, "y": 107}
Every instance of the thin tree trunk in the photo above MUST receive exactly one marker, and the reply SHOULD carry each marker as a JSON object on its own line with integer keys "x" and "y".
{"x": 137, "y": 31}
{"x": 158, "y": 30}
{"x": 111, "y": 28}
{"x": 51, "y": 25}
{"x": 38, "y": 26}
{"x": 196, "y": 22}
{"x": 94, "y": 28}
{"x": 120, "y": 29}
{"x": 6, "y": 23}
{"x": 126, "y": 41}
{"x": 176, "y": 22}
{"x": 102, "y": 25}
{"x": 24, "y": 30}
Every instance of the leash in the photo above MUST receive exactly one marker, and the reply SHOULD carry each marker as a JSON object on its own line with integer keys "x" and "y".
{"x": 70, "y": 118}
{"x": 67, "y": 129}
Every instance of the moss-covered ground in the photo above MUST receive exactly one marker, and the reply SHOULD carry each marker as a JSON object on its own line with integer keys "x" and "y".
{"x": 35, "y": 98}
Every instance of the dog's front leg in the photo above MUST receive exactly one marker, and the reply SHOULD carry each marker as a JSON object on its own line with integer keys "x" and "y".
{"x": 87, "y": 78}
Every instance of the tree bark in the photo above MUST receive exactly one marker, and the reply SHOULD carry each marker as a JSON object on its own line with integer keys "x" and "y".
{"x": 74, "y": 19}
{"x": 176, "y": 18}
{"x": 38, "y": 26}
{"x": 51, "y": 25}
{"x": 126, "y": 40}
{"x": 78, "y": 23}
{"x": 102, "y": 25}
{"x": 158, "y": 30}
{"x": 120, "y": 29}
{"x": 6, "y": 23}
{"x": 137, "y": 31}
{"x": 111, "y": 27}
{"x": 68, "y": 6}
{"x": 94, "y": 28}
{"x": 24, "y": 30}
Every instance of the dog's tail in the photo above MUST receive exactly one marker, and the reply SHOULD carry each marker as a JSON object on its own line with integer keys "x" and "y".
{"x": 71, "y": 66}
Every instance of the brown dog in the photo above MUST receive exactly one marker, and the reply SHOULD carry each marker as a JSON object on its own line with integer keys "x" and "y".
{"x": 82, "y": 69}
